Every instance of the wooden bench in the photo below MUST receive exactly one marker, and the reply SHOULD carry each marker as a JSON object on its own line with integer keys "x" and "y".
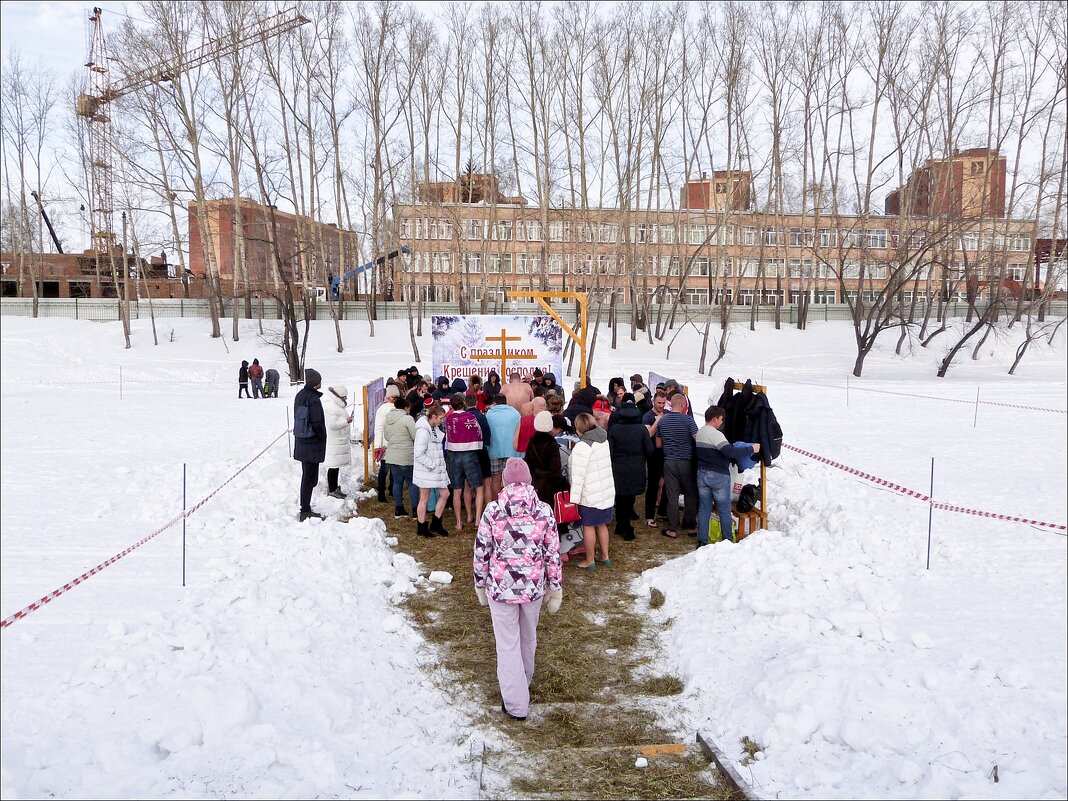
{"x": 748, "y": 522}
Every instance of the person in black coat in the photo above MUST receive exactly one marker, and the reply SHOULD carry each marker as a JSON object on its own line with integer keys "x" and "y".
{"x": 581, "y": 403}
{"x": 492, "y": 385}
{"x": 309, "y": 438}
{"x": 631, "y": 448}
{"x": 543, "y": 458}
{"x": 441, "y": 389}
{"x": 242, "y": 380}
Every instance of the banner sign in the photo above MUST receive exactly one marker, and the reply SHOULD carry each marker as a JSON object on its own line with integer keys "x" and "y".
{"x": 478, "y": 343}
{"x": 374, "y": 394}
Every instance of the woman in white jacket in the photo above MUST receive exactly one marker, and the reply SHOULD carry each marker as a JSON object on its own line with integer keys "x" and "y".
{"x": 592, "y": 486}
{"x": 338, "y": 447}
{"x": 430, "y": 472}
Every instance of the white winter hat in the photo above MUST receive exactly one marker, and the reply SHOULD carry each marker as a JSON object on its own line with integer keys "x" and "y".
{"x": 543, "y": 421}
{"x": 392, "y": 391}
{"x": 340, "y": 390}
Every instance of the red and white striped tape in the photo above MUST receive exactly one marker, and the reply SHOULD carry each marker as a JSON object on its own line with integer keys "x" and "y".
{"x": 967, "y": 401}
{"x": 10, "y": 619}
{"x": 921, "y": 496}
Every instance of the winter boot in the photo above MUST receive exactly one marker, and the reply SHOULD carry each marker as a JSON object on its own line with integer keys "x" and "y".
{"x": 400, "y": 512}
{"x": 305, "y": 515}
{"x": 438, "y": 527}
{"x": 423, "y": 529}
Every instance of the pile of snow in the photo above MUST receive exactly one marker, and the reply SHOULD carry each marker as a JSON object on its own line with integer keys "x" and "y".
{"x": 283, "y": 668}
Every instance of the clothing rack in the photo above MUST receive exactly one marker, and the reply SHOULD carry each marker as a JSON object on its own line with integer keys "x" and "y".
{"x": 757, "y": 517}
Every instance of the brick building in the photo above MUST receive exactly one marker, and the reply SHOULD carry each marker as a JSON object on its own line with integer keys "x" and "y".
{"x": 971, "y": 183}
{"x": 715, "y": 247}
{"x": 80, "y": 275}
{"x": 310, "y": 250}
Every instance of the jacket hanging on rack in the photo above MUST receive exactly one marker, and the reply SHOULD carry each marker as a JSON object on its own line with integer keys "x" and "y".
{"x": 762, "y": 426}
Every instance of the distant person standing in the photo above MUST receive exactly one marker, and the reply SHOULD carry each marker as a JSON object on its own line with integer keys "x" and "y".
{"x": 677, "y": 431}
{"x": 503, "y": 421}
{"x": 338, "y": 438}
{"x": 592, "y": 487}
{"x": 309, "y": 438}
{"x": 242, "y": 380}
{"x": 630, "y": 446}
{"x": 714, "y": 455}
{"x": 255, "y": 375}
{"x": 270, "y": 384}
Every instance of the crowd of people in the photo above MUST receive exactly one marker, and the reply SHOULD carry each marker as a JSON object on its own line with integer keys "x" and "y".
{"x": 511, "y": 457}
{"x": 440, "y": 443}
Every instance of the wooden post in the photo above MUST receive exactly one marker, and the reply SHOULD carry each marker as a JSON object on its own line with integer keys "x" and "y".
{"x": 366, "y": 468}
{"x": 580, "y": 339}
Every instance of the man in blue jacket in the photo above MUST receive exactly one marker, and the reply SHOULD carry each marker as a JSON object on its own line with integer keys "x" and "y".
{"x": 309, "y": 438}
{"x": 502, "y": 420}
{"x": 714, "y": 455}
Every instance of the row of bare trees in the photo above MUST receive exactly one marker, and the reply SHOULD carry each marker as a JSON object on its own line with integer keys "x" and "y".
{"x": 580, "y": 107}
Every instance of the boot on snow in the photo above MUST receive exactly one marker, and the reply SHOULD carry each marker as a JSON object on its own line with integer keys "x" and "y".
{"x": 438, "y": 527}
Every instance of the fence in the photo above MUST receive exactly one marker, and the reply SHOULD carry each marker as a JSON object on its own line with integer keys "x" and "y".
{"x": 107, "y": 310}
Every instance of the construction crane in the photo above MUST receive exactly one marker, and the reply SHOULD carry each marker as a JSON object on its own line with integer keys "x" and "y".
{"x": 337, "y": 280}
{"x": 92, "y": 105}
{"x": 48, "y": 222}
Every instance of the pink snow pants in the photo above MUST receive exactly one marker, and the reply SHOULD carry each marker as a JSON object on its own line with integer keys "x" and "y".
{"x": 515, "y": 628}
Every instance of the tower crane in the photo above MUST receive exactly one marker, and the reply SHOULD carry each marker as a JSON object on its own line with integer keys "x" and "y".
{"x": 93, "y": 104}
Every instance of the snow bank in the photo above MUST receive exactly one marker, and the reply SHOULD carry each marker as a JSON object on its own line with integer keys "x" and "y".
{"x": 860, "y": 673}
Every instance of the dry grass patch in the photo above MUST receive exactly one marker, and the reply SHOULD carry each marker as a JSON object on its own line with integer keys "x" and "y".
{"x": 612, "y": 775}
{"x": 573, "y": 668}
{"x": 661, "y": 686}
{"x": 656, "y": 598}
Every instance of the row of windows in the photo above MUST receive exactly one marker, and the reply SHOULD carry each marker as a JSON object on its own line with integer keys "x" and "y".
{"x": 607, "y": 264}
{"x": 445, "y": 293}
{"x": 692, "y": 234}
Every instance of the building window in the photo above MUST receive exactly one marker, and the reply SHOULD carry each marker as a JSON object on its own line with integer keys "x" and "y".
{"x": 877, "y": 238}
{"x": 696, "y": 297}
{"x": 667, "y": 234}
{"x": 698, "y": 233}
{"x": 724, "y": 296}
{"x": 772, "y": 297}
{"x": 824, "y": 296}
{"x": 851, "y": 269}
{"x": 1017, "y": 271}
{"x": 745, "y": 297}
{"x": 772, "y": 236}
{"x": 472, "y": 262}
{"x": 851, "y": 239}
{"x": 502, "y": 231}
{"x": 404, "y": 229}
{"x": 748, "y": 268}
{"x": 699, "y": 266}
{"x": 559, "y": 231}
{"x": 878, "y": 270}
{"x": 776, "y": 268}
{"x": 607, "y": 232}
{"x": 749, "y": 235}
{"x": 978, "y": 167}
{"x": 556, "y": 264}
{"x": 828, "y": 238}
{"x": 1017, "y": 242}
{"x": 969, "y": 242}
{"x": 79, "y": 289}
{"x": 474, "y": 230}
{"x": 441, "y": 262}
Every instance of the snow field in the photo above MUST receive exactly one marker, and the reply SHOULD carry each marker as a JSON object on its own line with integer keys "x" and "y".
{"x": 285, "y": 669}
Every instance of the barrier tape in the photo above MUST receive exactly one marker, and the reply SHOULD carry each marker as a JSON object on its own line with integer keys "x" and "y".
{"x": 966, "y": 401}
{"x": 10, "y": 619}
{"x": 923, "y": 497}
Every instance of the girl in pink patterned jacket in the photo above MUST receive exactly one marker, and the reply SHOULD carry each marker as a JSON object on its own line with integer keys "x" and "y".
{"x": 517, "y": 551}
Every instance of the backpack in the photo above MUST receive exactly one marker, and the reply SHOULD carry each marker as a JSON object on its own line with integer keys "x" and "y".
{"x": 302, "y": 427}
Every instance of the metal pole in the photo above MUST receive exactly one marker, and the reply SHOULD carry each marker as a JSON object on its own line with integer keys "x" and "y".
{"x": 183, "y": 524}
{"x": 975, "y": 420}
{"x": 930, "y": 515}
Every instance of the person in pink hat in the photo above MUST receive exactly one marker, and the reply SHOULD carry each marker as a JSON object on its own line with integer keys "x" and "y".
{"x": 517, "y": 566}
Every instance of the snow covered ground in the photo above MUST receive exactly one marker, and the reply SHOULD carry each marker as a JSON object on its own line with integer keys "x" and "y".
{"x": 284, "y": 669}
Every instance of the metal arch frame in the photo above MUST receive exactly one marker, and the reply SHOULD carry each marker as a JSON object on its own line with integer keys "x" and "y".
{"x": 582, "y": 298}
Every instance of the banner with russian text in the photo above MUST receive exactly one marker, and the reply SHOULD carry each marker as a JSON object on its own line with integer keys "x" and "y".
{"x": 478, "y": 343}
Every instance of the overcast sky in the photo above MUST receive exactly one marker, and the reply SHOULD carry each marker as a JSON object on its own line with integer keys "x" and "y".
{"x": 54, "y": 32}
